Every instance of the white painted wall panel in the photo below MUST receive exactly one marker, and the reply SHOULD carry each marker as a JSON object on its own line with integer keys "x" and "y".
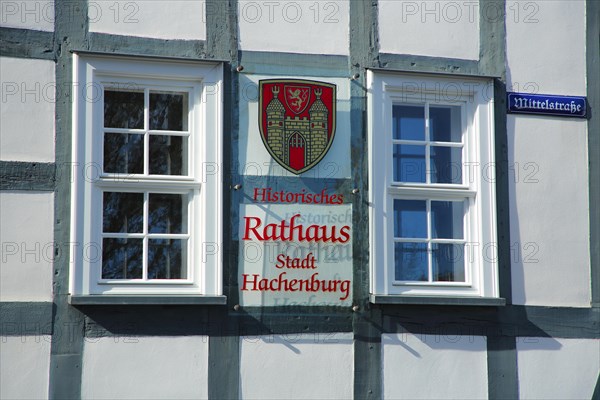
{"x": 314, "y": 27}
{"x": 27, "y": 109}
{"x": 307, "y": 366}
{"x": 434, "y": 367}
{"x": 442, "y": 28}
{"x": 549, "y": 220}
{"x": 29, "y": 14}
{"x": 545, "y": 47}
{"x": 145, "y": 368}
{"x": 555, "y": 368}
{"x": 24, "y": 367}
{"x": 26, "y": 235}
{"x": 177, "y": 19}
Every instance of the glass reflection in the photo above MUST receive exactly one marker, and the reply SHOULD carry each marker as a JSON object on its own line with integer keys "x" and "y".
{"x": 411, "y": 261}
{"x": 446, "y": 165}
{"x": 167, "y": 259}
{"x": 122, "y": 258}
{"x": 123, "y": 212}
{"x": 168, "y": 111}
{"x": 448, "y": 262}
{"x": 166, "y": 213}
{"x": 167, "y": 155}
{"x": 445, "y": 124}
{"x": 409, "y": 163}
{"x": 123, "y": 109}
{"x": 410, "y": 219}
{"x": 447, "y": 219}
{"x": 408, "y": 122}
{"x": 123, "y": 153}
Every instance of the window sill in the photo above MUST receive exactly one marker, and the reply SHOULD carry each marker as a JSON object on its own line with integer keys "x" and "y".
{"x": 79, "y": 300}
{"x": 441, "y": 301}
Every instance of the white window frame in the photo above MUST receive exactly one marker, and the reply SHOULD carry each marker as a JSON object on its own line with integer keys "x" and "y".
{"x": 203, "y": 81}
{"x": 475, "y": 95}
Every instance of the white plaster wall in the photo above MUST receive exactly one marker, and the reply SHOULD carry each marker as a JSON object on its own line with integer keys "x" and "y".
{"x": 443, "y": 28}
{"x": 545, "y": 47}
{"x": 145, "y": 368}
{"x": 26, "y": 236}
{"x": 434, "y": 367}
{"x": 297, "y": 366}
{"x": 24, "y": 367}
{"x": 554, "y": 368}
{"x": 549, "y": 215}
{"x": 173, "y": 19}
{"x": 27, "y": 109}
{"x": 314, "y": 27}
{"x": 28, "y": 14}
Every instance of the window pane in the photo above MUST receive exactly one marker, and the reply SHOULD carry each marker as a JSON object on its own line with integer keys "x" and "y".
{"x": 168, "y": 155}
{"x": 409, "y": 163}
{"x": 409, "y": 122}
{"x": 446, "y": 164}
{"x": 167, "y": 259}
{"x": 122, "y": 258}
{"x": 410, "y": 219}
{"x": 123, "y": 109}
{"x": 448, "y": 262}
{"x": 123, "y": 212}
{"x": 410, "y": 261}
{"x": 445, "y": 124}
{"x": 124, "y": 153}
{"x": 447, "y": 219}
{"x": 168, "y": 111}
{"x": 167, "y": 213}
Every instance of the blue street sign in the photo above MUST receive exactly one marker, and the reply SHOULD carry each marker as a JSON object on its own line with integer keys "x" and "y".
{"x": 560, "y": 106}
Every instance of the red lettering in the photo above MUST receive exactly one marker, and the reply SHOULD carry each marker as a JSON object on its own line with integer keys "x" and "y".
{"x": 252, "y": 228}
{"x": 280, "y": 261}
{"x": 293, "y": 232}
{"x": 253, "y": 282}
{"x": 270, "y": 232}
{"x": 345, "y": 233}
{"x": 312, "y": 233}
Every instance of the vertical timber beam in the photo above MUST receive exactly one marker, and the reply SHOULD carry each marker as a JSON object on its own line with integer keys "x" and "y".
{"x": 224, "y": 342}
{"x": 501, "y": 350}
{"x": 71, "y": 30}
{"x": 364, "y": 47}
{"x": 502, "y": 367}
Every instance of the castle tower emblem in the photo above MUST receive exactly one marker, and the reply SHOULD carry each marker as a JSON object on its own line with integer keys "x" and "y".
{"x": 297, "y": 121}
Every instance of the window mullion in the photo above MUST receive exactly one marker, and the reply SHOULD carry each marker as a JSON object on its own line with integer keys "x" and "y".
{"x": 429, "y": 246}
{"x": 427, "y": 146}
{"x": 145, "y": 244}
{"x": 146, "y": 129}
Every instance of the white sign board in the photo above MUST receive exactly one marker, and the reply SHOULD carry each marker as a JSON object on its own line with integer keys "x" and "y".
{"x": 295, "y": 255}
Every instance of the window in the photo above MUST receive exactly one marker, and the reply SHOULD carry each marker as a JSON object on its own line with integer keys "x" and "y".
{"x": 146, "y": 198}
{"x": 431, "y": 195}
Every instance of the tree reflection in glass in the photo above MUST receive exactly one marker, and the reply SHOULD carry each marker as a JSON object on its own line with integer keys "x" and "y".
{"x": 123, "y": 109}
{"x": 123, "y": 153}
{"x": 168, "y": 111}
{"x": 165, "y": 213}
{"x": 166, "y": 258}
{"x": 123, "y": 212}
{"x": 166, "y": 155}
{"x": 122, "y": 258}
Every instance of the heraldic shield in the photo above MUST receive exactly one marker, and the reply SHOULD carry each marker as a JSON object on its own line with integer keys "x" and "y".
{"x": 297, "y": 121}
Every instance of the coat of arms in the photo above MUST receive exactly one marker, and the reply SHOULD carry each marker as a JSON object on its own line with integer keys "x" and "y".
{"x": 297, "y": 121}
